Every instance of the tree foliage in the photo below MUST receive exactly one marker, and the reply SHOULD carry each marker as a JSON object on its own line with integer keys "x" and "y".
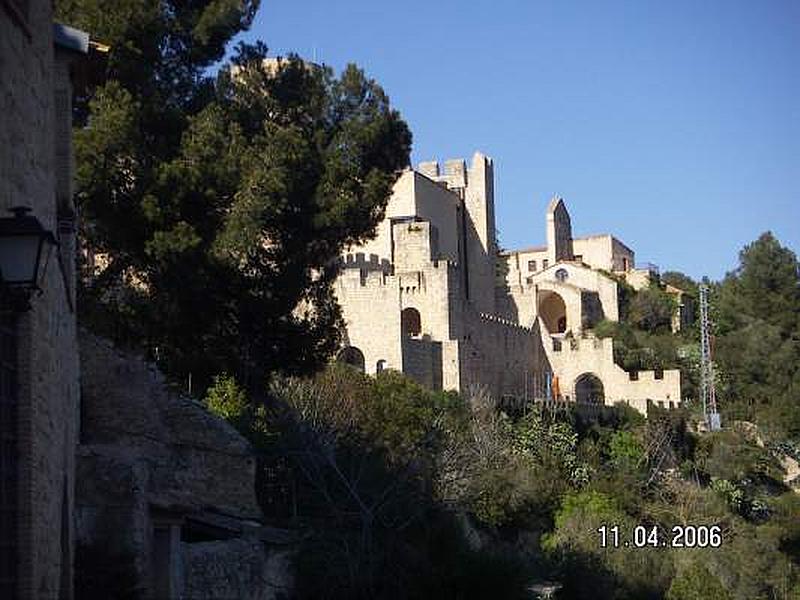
{"x": 757, "y": 321}
{"x": 221, "y": 204}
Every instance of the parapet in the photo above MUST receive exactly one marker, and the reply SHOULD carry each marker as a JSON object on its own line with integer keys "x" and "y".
{"x": 359, "y": 260}
{"x": 454, "y": 174}
{"x": 362, "y": 278}
{"x": 490, "y": 318}
{"x": 590, "y": 344}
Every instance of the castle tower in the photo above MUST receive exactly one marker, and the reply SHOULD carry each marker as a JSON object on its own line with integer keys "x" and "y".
{"x": 481, "y": 237}
{"x": 559, "y": 232}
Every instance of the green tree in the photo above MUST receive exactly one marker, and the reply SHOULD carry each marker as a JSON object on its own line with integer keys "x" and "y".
{"x": 222, "y": 203}
{"x": 766, "y": 285}
{"x": 651, "y": 309}
{"x": 755, "y": 312}
{"x": 696, "y": 583}
{"x": 680, "y": 281}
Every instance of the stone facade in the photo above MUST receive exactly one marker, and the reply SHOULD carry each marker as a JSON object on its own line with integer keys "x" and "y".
{"x": 40, "y": 394}
{"x": 431, "y": 296}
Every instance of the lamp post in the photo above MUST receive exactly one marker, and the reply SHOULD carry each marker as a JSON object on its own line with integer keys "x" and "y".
{"x": 25, "y": 249}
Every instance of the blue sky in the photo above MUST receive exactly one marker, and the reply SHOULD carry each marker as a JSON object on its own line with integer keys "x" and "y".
{"x": 674, "y": 125}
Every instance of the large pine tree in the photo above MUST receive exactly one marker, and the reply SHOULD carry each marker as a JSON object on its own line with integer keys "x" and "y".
{"x": 223, "y": 203}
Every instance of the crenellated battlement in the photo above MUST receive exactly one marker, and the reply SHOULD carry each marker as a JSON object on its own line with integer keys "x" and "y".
{"x": 503, "y": 321}
{"x": 454, "y": 173}
{"x": 359, "y": 260}
{"x": 351, "y": 278}
{"x": 571, "y": 344}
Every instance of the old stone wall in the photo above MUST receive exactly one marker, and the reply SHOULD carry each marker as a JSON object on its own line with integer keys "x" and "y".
{"x": 47, "y": 391}
{"x": 241, "y": 568}
{"x": 371, "y": 311}
{"x": 573, "y": 358}
{"x": 422, "y": 361}
{"x": 502, "y": 356}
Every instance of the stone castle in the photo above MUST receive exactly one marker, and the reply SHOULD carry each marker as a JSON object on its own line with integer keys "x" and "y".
{"x": 433, "y": 296}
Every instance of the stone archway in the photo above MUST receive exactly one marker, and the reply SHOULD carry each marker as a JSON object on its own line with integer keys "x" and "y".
{"x": 589, "y": 389}
{"x": 553, "y": 311}
{"x": 352, "y": 356}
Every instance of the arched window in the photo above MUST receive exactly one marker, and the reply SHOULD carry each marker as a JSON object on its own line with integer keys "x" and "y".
{"x": 380, "y": 366}
{"x": 351, "y": 356}
{"x": 589, "y": 389}
{"x": 562, "y": 275}
{"x": 410, "y": 322}
{"x": 553, "y": 312}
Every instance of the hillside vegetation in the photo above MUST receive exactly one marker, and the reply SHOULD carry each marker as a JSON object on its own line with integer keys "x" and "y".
{"x": 219, "y": 205}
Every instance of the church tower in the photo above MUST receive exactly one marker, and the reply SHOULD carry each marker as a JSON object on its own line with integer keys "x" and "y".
{"x": 559, "y": 232}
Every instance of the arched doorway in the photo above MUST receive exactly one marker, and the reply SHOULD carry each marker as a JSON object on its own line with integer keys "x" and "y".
{"x": 589, "y": 389}
{"x": 553, "y": 312}
{"x": 351, "y": 356}
{"x": 410, "y": 322}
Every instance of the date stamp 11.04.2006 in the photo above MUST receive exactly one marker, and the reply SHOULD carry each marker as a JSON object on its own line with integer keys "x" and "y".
{"x": 653, "y": 536}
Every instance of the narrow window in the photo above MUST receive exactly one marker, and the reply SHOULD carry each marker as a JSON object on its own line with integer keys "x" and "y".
{"x": 531, "y": 266}
{"x": 545, "y": 263}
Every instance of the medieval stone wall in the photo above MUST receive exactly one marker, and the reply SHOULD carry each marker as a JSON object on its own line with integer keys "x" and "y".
{"x": 502, "y": 356}
{"x": 572, "y": 358}
{"x": 47, "y": 376}
{"x": 371, "y": 310}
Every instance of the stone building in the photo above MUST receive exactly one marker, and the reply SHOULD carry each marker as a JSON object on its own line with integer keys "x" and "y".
{"x": 39, "y": 370}
{"x": 433, "y": 297}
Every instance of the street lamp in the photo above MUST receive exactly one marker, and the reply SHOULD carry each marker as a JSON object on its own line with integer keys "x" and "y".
{"x": 25, "y": 248}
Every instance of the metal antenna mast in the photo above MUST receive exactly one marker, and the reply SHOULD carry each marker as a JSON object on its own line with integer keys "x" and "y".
{"x": 707, "y": 366}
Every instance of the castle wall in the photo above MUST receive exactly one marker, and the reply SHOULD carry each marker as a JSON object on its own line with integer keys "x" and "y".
{"x": 572, "y": 358}
{"x": 371, "y": 311}
{"x": 504, "y": 357}
{"x": 422, "y": 361}
{"x": 638, "y": 278}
